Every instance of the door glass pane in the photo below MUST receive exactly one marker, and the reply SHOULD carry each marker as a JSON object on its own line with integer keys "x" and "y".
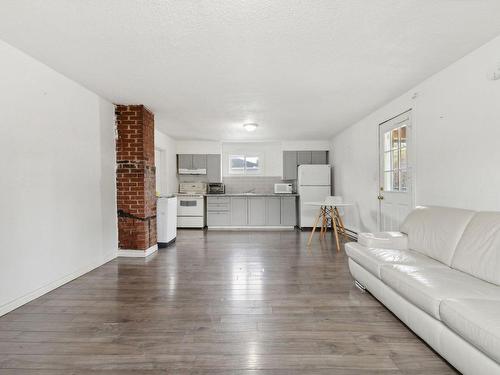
{"x": 395, "y": 159}
{"x": 391, "y": 181}
{"x": 387, "y": 141}
{"x": 395, "y": 181}
{"x": 402, "y": 158}
{"x": 402, "y": 136}
{"x": 403, "y": 178}
{"x": 387, "y": 161}
{"x": 395, "y": 138}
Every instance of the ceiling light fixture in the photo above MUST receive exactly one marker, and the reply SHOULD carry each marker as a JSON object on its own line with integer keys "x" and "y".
{"x": 250, "y": 127}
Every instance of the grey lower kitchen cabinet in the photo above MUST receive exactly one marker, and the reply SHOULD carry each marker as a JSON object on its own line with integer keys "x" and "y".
{"x": 290, "y": 165}
{"x": 218, "y": 199}
{"x": 288, "y": 214}
{"x": 257, "y": 211}
{"x": 218, "y": 218}
{"x": 218, "y": 211}
{"x": 239, "y": 211}
{"x": 214, "y": 168}
{"x": 199, "y": 161}
{"x": 273, "y": 211}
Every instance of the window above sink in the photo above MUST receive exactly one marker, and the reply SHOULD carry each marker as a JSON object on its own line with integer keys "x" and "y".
{"x": 247, "y": 164}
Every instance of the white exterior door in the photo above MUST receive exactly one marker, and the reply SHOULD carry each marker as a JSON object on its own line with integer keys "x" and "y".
{"x": 395, "y": 176}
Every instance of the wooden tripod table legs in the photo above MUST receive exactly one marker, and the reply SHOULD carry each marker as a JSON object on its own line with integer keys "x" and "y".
{"x": 334, "y": 227}
{"x": 325, "y": 213}
{"x": 314, "y": 226}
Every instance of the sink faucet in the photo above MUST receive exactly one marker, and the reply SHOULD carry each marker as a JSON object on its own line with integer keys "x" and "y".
{"x": 249, "y": 191}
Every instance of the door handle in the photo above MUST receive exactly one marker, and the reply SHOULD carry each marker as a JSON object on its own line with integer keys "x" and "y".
{"x": 380, "y": 197}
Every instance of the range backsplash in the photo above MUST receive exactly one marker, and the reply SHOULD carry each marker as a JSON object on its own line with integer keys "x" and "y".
{"x": 255, "y": 184}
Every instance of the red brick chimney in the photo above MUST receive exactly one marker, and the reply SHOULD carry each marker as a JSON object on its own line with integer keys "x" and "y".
{"x": 135, "y": 177}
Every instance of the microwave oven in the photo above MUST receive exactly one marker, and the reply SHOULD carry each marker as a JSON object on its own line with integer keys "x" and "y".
{"x": 283, "y": 188}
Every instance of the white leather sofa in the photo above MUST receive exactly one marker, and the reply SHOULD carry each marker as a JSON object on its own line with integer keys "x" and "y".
{"x": 441, "y": 276}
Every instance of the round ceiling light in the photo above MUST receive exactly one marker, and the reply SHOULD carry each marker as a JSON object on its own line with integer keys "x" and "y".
{"x": 250, "y": 127}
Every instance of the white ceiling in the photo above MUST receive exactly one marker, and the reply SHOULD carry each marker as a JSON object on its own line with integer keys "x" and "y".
{"x": 302, "y": 69}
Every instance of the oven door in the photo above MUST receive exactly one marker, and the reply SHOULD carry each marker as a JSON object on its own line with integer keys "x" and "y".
{"x": 189, "y": 206}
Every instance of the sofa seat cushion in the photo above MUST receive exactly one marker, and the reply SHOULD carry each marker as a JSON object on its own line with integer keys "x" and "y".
{"x": 426, "y": 287}
{"x": 476, "y": 321}
{"x": 435, "y": 231}
{"x": 372, "y": 259}
{"x": 384, "y": 240}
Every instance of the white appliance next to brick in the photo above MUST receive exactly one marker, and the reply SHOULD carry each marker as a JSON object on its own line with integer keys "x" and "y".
{"x": 166, "y": 219}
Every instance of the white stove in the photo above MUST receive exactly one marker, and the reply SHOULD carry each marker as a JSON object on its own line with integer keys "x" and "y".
{"x": 191, "y": 205}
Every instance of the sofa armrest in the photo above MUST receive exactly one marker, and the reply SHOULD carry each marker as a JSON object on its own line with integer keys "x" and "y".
{"x": 384, "y": 240}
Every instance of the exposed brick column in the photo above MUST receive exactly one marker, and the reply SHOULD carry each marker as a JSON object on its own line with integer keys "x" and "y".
{"x": 135, "y": 177}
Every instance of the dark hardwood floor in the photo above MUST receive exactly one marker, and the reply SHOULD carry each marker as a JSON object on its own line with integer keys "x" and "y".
{"x": 215, "y": 303}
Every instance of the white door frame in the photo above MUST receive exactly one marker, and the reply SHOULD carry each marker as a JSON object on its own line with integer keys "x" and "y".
{"x": 411, "y": 160}
{"x": 159, "y": 171}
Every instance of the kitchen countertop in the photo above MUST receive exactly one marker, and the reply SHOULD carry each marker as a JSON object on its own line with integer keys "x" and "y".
{"x": 252, "y": 195}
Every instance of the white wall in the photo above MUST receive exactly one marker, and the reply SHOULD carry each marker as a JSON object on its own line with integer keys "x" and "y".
{"x": 58, "y": 203}
{"x": 198, "y": 147}
{"x": 168, "y": 170}
{"x": 305, "y": 145}
{"x": 456, "y": 142}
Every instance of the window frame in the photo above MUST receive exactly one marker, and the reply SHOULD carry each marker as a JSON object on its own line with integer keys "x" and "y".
{"x": 395, "y": 171}
{"x": 244, "y": 171}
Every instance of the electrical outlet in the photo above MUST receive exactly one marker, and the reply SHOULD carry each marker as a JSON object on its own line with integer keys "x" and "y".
{"x": 494, "y": 73}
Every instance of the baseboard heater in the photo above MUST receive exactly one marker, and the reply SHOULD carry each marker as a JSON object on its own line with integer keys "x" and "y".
{"x": 351, "y": 234}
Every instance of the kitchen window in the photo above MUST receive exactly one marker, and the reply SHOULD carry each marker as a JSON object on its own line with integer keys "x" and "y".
{"x": 245, "y": 164}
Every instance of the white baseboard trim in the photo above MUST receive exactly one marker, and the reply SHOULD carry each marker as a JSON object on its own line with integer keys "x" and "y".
{"x": 129, "y": 253}
{"x": 253, "y": 227}
{"x": 18, "y": 302}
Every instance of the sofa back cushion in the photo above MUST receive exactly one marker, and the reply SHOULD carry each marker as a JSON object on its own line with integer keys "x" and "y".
{"x": 478, "y": 252}
{"x": 435, "y": 231}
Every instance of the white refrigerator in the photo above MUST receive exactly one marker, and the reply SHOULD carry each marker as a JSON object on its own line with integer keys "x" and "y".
{"x": 166, "y": 220}
{"x": 313, "y": 185}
